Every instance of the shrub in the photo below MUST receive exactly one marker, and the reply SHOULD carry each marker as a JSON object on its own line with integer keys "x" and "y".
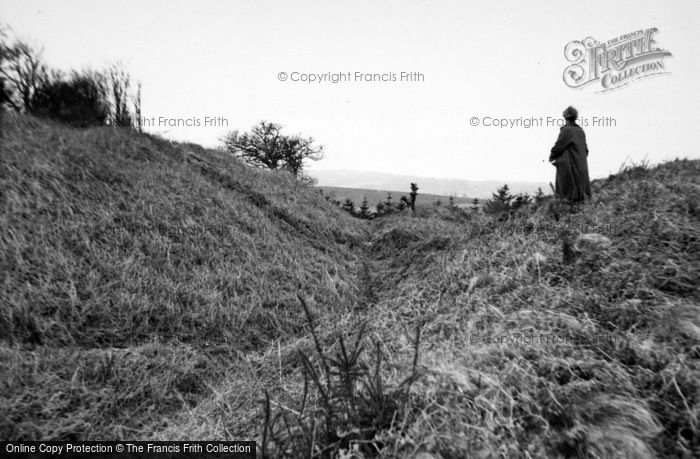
{"x": 78, "y": 102}
{"x": 349, "y": 206}
{"x": 500, "y": 201}
{"x": 521, "y": 200}
{"x": 267, "y": 148}
{"x": 475, "y": 204}
{"x": 364, "y": 209}
{"x": 355, "y": 406}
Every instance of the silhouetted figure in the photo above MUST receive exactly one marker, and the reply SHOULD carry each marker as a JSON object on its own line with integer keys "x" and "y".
{"x": 413, "y": 194}
{"x": 569, "y": 155}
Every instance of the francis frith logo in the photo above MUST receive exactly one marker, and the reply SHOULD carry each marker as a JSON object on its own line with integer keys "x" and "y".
{"x": 614, "y": 63}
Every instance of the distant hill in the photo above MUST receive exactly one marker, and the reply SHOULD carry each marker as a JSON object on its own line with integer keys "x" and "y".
{"x": 437, "y": 186}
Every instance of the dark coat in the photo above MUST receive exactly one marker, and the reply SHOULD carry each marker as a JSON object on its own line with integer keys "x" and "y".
{"x": 569, "y": 155}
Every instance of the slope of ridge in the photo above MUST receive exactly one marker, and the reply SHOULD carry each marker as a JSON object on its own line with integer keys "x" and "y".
{"x": 149, "y": 292}
{"x": 125, "y": 257}
{"x": 528, "y": 354}
{"x": 523, "y": 352}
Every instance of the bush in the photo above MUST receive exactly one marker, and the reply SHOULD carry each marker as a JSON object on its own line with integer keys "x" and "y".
{"x": 78, "y": 102}
{"x": 521, "y": 200}
{"x": 500, "y": 201}
{"x": 267, "y": 148}
{"x": 364, "y": 212}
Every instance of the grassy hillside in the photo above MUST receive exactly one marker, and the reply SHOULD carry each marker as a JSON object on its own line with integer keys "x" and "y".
{"x": 525, "y": 355}
{"x": 137, "y": 272}
{"x": 530, "y": 344}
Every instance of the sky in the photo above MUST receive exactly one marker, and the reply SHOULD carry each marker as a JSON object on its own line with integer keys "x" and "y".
{"x": 477, "y": 60}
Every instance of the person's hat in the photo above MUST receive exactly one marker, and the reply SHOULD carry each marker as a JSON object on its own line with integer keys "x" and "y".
{"x": 570, "y": 113}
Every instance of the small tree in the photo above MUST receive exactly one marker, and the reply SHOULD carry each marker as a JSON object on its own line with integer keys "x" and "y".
{"x": 349, "y": 206}
{"x": 475, "y": 204}
{"x": 118, "y": 83}
{"x": 389, "y": 203}
{"x": 452, "y": 201}
{"x": 403, "y": 203}
{"x": 500, "y": 201}
{"x": 387, "y": 207}
{"x": 364, "y": 209}
{"x": 521, "y": 200}
{"x": 22, "y": 68}
{"x": 539, "y": 196}
{"x": 438, "y": 202}
{"x": 266, "y": 147}
{"x": 413, "y": 194}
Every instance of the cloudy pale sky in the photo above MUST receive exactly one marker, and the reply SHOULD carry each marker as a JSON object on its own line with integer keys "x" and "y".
{"x": 496, "y": 58}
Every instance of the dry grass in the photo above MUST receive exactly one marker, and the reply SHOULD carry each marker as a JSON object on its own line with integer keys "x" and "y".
{"x": 107, "y": 302}
{"x": 625, "y": 381}
{"x": 124, "y": 335}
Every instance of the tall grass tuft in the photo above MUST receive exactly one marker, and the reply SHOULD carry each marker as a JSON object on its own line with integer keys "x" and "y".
{"x": 345, "y": 404}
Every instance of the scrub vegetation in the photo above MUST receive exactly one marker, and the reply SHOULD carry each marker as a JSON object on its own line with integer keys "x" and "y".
{"x": 158, "y": 290}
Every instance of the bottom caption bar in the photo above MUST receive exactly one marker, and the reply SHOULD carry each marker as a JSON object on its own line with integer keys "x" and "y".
{"x": 127, "y": 449}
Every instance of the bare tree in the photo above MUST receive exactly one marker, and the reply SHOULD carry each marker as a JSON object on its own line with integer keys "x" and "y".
{"x": 136, "y": 100}
{"x": 118, "y": 86}
{"x": 23, "y": 71}
{"x": 265, "y": 147}
{"x": 31, "y": 87}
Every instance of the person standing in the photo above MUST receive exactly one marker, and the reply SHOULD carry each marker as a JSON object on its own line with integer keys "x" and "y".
{"x": 570, "y": 156}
